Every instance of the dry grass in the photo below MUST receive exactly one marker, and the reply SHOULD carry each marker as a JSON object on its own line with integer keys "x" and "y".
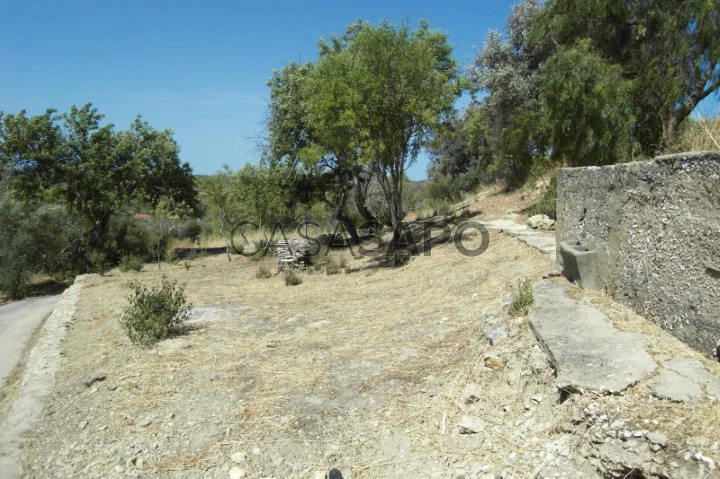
{"x": 701, "y": 134}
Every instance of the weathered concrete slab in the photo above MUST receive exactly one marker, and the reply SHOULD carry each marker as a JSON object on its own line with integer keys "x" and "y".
{"x": 695, "y": 372}
{"x": 675, "y": 387}
{"x": 545, "y": 242}
{"x": 587, "y": 351}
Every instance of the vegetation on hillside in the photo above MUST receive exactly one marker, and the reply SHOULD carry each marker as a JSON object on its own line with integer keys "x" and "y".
{"x": 566, "y": 83}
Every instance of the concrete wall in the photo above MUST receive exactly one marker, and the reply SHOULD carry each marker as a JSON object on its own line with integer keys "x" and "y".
{"x": 656, "y": 228}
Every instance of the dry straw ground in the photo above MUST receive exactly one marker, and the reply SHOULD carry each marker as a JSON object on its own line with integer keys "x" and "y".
{"x": 362, "y": 371}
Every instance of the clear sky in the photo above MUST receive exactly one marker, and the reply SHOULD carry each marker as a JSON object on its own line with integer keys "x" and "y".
{"x": 198, "y": 68}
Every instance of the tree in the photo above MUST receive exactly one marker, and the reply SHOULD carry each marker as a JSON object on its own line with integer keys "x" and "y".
{"x": 222, "y": 202}
{"x": 587, "y": 106}
{"x": 91, "y": 168}
{"x": 406, "y": 84}
{"x": 461, "y": 156}
{"x": 310, "y": 130}
{"x": 669, "y": 49}
{"x": 506, "y": 71}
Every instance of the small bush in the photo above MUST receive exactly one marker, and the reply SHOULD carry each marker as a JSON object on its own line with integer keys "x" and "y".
{"x": 522, "y": 299}
{"x": 335, "y": 264}
{"x": 547, "y": 203}
{"x": 98, "y": 262}
{"x": 292, "y": 278}
{"x": 263, "y": 272}
{"x": 348, "y": 270}
{"x": 171, "y": 256}
{"x": 154, "y": 312}
{"x": 130, "y": 263}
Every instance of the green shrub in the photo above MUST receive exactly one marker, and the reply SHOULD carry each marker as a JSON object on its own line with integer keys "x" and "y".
{"x": 98, "y": 262}
{"x": 547, "y": 203}
{"x": 130, "y": 263}
{"x": 154, "y": 312}
{"x": 292, "y": 278}
{"x": 263, "y": 272}
{"x": 171, "y": 256}
{"x": 522, "y": 299}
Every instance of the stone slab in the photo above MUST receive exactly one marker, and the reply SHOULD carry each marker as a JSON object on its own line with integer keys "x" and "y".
{"x": 586, "y": 350}
{"x": 674, "y": 386}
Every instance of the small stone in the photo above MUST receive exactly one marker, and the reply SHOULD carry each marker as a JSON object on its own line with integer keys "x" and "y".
{"x": 256, "y": 451}
{"x": 145, "y": 422}
{"x": 171, "y": 415}
{"x": 657, "y": 438}
{"x": 553, "y": 273}
{"x": 493, "y": 362}
{"x": 237, "y": 473}
{"x": 537, "y": 398}
{"x": 94, "y": 378}
{"x": 495, "y": 334}
{"x": 237, "y": 457}
{"x": 83, "y": 425}
{"x": 471, "y": 425}
{"x": 637, "y": 434}
{"x": 700, "y": 457}
{"x": 471, "y": 394}
{"x": 617, "y": 424}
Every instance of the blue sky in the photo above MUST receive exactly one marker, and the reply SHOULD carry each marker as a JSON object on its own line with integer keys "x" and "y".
{"x": 198, "y": 68}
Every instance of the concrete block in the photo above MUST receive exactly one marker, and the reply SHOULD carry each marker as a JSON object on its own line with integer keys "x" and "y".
{"x": 580, "y": 265}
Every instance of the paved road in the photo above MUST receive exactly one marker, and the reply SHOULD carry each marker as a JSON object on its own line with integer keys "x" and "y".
{"x": 18, "y": 322}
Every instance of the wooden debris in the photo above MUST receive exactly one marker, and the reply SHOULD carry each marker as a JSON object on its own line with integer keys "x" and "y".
{"x": 293, "y": 254}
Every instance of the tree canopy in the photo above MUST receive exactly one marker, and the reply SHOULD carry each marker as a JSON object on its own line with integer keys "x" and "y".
{"x": 91, "y": 168}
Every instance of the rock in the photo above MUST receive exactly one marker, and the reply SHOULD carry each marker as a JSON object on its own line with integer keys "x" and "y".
{"x": 471, "y": 425}
{"x": 237, "y": 457}
{"x": 656, "y": 438}
{"x": 237, "y": 473}
{"x": 553, "y": 273}
{"x": 256, "y": 451}
{"x": 700, "y": 457}
{"x": 542, "y": 222}
{"x": 94, "y": 378}
{"x": 145, "y": 422}
{"x": 493, "y": 362}
{"x": 495, "y": 334}
{"x": 83, "y": 425}
{"x": 472, "y": 394}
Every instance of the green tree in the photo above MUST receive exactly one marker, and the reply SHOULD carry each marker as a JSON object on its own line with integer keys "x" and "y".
{"x": 91, "y": 168}
{"x": 406, "y": 83}
{"x": 222, "y": 203}
{"x": 587, "y": 106}
{"x": 669, "y": 50}
{"x": 506, "y": 72}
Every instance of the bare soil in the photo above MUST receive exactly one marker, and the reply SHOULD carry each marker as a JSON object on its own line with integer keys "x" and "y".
{"x": 364, "y": 372}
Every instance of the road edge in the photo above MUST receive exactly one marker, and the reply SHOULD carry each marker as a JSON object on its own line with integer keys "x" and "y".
{"x": 37, "y": 382}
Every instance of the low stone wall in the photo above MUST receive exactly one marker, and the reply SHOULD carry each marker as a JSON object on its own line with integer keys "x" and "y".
{"x": 655, "y": 228}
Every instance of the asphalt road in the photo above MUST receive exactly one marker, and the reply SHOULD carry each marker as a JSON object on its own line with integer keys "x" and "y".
{"x": 18, "y": 322}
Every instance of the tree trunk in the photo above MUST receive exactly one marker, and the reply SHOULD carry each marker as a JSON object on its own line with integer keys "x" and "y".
{"x": 359, "y": 197}
{"x": 669, "y": 130}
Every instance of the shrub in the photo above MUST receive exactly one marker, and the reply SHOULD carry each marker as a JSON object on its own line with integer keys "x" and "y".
{"x": 335, "y": 264}
{"x": 522, "y": 299}
{"x": 292, "y": 278}
{"x": 98, "y": 262}
{"x": 130, "y": 263}
{"x": 154, "y": 312}
{"x": 263, "y": 272}
{"x": 547, "y": 202}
